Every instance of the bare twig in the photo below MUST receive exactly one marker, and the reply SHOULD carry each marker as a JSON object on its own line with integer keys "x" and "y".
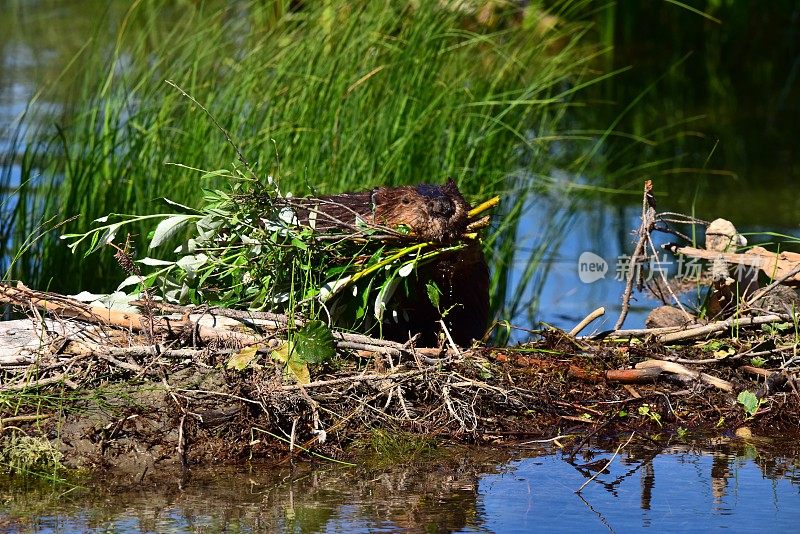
{"x": 599, "y": 312}
{"x": 663, "y": 276}
{"x": 721, "y": 326}
{"x": 181, "y": 448}
{"x": 648, "y": 221}
{"x": 37, "y": 383}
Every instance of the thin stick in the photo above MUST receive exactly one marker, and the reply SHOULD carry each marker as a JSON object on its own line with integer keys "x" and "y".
{"x": 22, "y": 418}
{"x": 675, "y": 298}
{"x": 219, "y": 126}
{"x": 483, "y": 206}
{"x": 37, "y": 383}
{"x": 634, "y": 332}
{"x": 648, "y": 218}
{"x": 452, "y": 343}
{"x": 599, "y": 312}
{"x": 597, "y": 474}
{"x": 292, "y": 436}
{"x": 181, "y": 441}
{"x": 721, "y": 326}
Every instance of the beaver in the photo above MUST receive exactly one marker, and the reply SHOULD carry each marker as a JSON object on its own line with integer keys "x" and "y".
{"x": 437, "y": 213}
{"x": 430, "y": 212}
{"x": 462, "y": 277}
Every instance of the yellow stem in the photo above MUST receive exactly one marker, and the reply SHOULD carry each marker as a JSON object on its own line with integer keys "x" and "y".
{"x": 480, "y": 208}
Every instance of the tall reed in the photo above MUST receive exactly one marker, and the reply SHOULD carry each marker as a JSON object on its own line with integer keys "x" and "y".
{"x": 336, "y": 96}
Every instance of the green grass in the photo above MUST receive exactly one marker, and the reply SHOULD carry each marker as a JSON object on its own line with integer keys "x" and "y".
{"x": 338, "y": 96}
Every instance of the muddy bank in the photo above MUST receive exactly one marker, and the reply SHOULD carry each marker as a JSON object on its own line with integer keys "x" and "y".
{"x": 138, "y": 409}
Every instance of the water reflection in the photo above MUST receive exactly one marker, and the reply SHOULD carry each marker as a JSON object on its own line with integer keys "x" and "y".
{"x": 687, "y": 488}
{"x": 721, "y": 483}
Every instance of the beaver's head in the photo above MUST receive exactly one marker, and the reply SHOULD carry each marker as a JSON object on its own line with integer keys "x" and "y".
{"x": 433, "y": 212}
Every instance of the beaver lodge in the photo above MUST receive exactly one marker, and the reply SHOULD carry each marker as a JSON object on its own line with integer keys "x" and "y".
{"x": 296, "y": 327}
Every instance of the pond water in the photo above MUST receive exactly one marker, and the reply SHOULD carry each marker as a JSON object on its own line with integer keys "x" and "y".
{"x": 748, "y": 130}
{"x": 697, "y": 487}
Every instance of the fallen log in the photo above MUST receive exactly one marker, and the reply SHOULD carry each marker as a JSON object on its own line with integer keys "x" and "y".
{"x": 776, "y": 265}
{"x": 682, "y": 370}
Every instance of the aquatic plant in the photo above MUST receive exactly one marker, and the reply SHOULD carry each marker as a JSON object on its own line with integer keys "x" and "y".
{"x": 29, "y": 454}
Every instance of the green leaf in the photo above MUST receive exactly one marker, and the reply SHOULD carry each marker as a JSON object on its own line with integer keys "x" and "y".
{"x": 168, "y": 228}
{"x": 192, "y": 262}
{"x": 332, "y": 288}
{"x": 314, "y": 343}
{"x": 433, "y": 293}
{"x": 406, "y": 269}
{"x": 130, "y": 281}
{"x": 154, "y": 262}
{"x": 363, "y": 301}
{"x": 214, "y": 174}
{"x": 713, "y": 345}
{"x": 384, "y": 295}
{"x": 724, "y": 352}
{"x": 99, "y": 240}
{"x": 296, "y": 243}
{"x": 749, "y": 401}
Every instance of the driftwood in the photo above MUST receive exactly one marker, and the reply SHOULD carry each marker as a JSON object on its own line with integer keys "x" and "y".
{"x": 673, "y": 334}
{"x": 776, "y": 265}
{"x": 62, "y": 306}
{"x": 23, "y": 341}
{"x": 682, "y": 370}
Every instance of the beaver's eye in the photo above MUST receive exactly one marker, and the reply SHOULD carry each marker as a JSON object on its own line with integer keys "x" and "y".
{"x": 405, "y": 201}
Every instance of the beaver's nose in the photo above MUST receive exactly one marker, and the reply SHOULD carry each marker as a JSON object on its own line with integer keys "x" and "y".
{"x": 442, "y": 207}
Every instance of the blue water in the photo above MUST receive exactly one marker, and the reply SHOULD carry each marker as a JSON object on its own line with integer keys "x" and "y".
{"x": 730, "y": 485}
{"x": 673, "y": 492}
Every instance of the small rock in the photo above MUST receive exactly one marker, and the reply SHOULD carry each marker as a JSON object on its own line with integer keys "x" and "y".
{"x": 666, "y": 316}
{"x": 780, "y": 299}
{"x": 721, "y": 236}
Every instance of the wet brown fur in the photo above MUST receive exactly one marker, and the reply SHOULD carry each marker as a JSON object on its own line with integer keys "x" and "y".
{"x": 431, "y": 213}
